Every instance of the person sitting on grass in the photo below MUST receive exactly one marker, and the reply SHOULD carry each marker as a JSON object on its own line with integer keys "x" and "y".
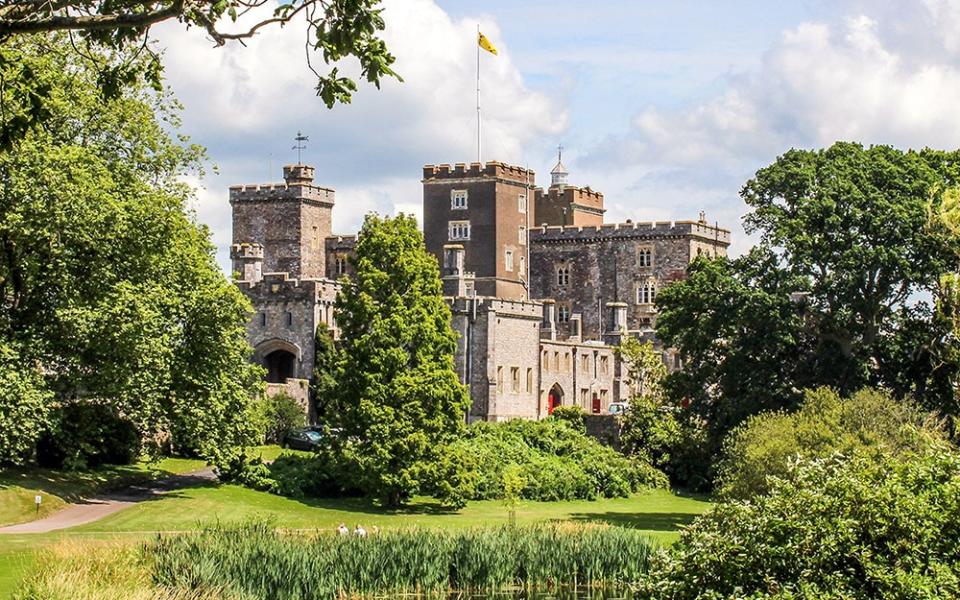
{"x": 360, "y": 531}
{"x": 342, "y": 529}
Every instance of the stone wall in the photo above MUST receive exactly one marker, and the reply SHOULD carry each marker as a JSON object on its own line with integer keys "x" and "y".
{"x": 580, "y": 372}
{"x": 605, "y": 429}
{"x": 605, "y": 265}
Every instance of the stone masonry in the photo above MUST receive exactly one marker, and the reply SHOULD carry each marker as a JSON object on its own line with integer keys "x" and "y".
{"x": 540, "y": 289}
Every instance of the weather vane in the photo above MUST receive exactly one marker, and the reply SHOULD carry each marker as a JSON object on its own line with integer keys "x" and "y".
{"x": 301, "y": 145}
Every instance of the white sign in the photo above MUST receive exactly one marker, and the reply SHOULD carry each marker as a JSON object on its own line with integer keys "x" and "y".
{"x": 38, "y": 499}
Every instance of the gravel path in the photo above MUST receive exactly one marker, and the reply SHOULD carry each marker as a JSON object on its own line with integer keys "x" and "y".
{"x": 99, "y": 507}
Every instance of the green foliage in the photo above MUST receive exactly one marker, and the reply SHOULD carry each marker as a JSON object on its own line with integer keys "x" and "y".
{"x": 399, "y": 403}
{"x": 326, "y": 358}
{"x": 869, "y": 423}
{"x": 87, "y": 434}
{"x": 282, "y": 414}
{"x": 828, "y": 297}
{"x": 649, "y": 429}
{"x": 24, "y": 407}
{"x": 258, "y": 562}
{"x": 556, "y": 462}
{"x": 109, "y": 285}
{"x": 832, "y": 528}
{"x": 644, "y": 365}
{"x": 573, "y": 415}
{"x": 109, "y": 33}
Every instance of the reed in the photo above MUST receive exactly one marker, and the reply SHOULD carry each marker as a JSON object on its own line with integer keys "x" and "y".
{"x": 257, "y": 561}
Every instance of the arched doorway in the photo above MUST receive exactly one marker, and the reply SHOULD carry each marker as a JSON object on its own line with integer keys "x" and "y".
{"x": 280, "y": 366}
{"x": 554, "y": 398}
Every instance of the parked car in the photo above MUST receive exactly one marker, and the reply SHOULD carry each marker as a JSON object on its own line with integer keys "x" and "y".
{"x": 302, "y": 439}
{"x": 618, "y": 408}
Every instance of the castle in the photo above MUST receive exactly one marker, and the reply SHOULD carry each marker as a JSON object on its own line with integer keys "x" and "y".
{"x": 541, "y": 289}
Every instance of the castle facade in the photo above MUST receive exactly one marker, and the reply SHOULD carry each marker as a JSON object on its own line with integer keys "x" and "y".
{"x": 540, "y": 288}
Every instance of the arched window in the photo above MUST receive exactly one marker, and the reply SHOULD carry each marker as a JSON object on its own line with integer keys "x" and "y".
{"x": 645, "y": 257}
{"x": 563, "y": 313}
{"x": 563, "y": 276}
{"x": 289, "y": 319}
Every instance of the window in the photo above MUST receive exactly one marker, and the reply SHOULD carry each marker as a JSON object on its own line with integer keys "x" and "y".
{"x": 645, "y": 257}
{"x": 563, "y": 313}
{"x": 556, "y": 361}
{"x": 459, "y": 230}
{"x": 522, "y": 235}
{"x": 263, "y": 319}
{"x": 563, "y": 276}
{"x": 289, "y": 319}
{"x": 546, "y": 360}
{"x": 515, "y": 379}
{"x": 647, "y": 293}
{"x": 499, "y": 380}
{"x": 508, "y": 260}
{"x": 604, "y": 365}
{"x": 566, "y": 361}
{"x": 584, "y": 396}
{"x": 529, "y": 380}
{"x": 340, "y": 264}
{"x": 585, "y": 363}
{"x": 458, "y": 199}
{"x": 523, "y": 266}
{"x": 522, "y": 203}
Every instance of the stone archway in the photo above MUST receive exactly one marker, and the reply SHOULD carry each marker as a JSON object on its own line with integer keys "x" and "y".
{"x": 281, "y": 365}
{"x": 554, "y": 398}
{"x": 279, "y": 358}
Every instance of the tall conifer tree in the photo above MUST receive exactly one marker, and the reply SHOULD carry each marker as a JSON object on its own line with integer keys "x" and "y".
{"x": 399, "y": 400}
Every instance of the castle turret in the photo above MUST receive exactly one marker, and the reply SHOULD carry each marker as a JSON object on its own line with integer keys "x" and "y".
{"x": 289, "y": 220}
{"x": 247, "y": 261}
{"x": 565, "y": 204}
{"x": 483, "y": 209}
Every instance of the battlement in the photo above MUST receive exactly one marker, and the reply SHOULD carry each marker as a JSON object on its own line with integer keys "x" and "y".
{"x": 283, "y": 286}
{"x": 492, "y": 169}
{"x": 281, "y": 191}
{"x": 528, "y": 309}
{"x": 649, "y": 229}
{"x": 246, "y": 251}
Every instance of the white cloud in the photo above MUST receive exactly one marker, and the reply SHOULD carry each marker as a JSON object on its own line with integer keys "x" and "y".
{"x": 870, "y": 78}
{"x": 245, "y": 104}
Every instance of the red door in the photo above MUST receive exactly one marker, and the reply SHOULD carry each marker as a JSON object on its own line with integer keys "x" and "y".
{"x": 553, "y": 401}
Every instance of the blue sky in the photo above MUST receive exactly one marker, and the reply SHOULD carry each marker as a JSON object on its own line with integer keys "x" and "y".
{"x": 666, "y": 107}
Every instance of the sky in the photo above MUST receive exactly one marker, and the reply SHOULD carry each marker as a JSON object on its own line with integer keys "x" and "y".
{"x": 668, "y": 108}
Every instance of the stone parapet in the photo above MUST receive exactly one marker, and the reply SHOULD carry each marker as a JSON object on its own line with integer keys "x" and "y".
{"x": 280, "y": 191}
{"x": 648, "y": 229}
{"x": 494, "y": 169}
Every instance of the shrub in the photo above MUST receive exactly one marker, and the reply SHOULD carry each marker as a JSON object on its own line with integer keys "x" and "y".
{"x": 571, "y": 414}
{"x": 87, "y": 434}
{"x": 650, "y": 429}
{"x": 257, "y": 562}
{"x": 281, "y": 415}
{"x": 556, "y": 462}
{"x": 877, "y": 527}
{"x": 868, "y": 422}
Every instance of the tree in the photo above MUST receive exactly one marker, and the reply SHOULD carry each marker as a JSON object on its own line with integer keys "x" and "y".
{"x": 108, "y": 286}
{"x": 106, "y": 33}
{"x": 326, "y": 359}
{"x": 398, "y": 396}
{"x": 868, "y": 424}
{"x": 645, "y": 366}
{"x": 829, "y": 297}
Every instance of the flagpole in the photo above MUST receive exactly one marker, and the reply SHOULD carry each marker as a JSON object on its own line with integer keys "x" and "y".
{"x": 478, "y": 94}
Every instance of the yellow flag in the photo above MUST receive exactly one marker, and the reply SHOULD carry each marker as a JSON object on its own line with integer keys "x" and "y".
{"x": 485, "y": 43}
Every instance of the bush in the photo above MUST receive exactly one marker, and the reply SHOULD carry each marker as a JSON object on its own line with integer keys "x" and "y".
{"x": 867, "y": 423}
{"x": 837, "y": 528}
{"x": 571, "y": 414}
{"x": 24, "y": 407}
{"x": 88, "y": 434}
{"x": 281, "y": 415}
{"x": 556, "y": 462}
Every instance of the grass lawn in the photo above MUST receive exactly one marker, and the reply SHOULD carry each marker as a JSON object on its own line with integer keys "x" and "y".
{"x": 658, "y": 513}
{"x": 18, "y": 487}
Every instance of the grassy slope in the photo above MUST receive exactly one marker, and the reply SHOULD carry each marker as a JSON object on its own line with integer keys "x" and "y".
{"x": 19, "y": 486}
